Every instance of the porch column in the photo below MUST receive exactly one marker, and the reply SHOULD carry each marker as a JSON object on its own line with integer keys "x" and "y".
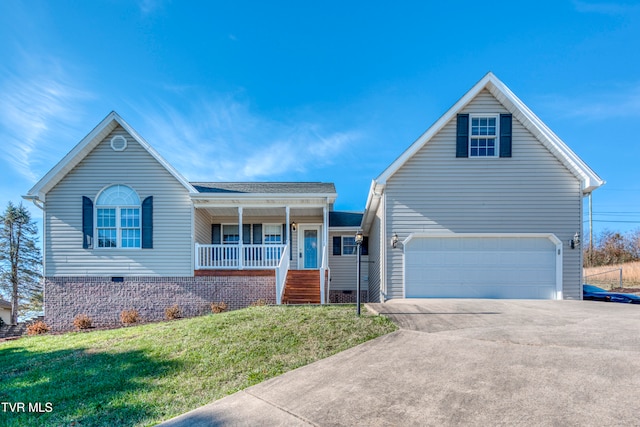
{"x": 325, "y": 253}
{"x": 240, "y": 240}
{"x": 288, "y": 230}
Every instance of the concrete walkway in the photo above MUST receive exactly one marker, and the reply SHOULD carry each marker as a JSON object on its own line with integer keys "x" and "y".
{"x": 461, "y": 362}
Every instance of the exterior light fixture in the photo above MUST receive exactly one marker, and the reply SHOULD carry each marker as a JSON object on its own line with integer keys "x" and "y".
{"x": 359, "y": 240}
{"x": 294, "y": 226}
{"x": 575, "y": 241}
{"x": 394, "y": 240}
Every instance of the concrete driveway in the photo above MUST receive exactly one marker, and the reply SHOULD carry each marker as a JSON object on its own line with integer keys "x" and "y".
{"x": 461, "y": 362}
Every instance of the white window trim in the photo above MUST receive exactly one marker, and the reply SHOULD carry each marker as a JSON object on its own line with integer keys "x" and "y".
{"x": 264, "y": 234}
{"x": 118, "y": 226}
{"x": 342, "y": 245}
{"x": 496, "y": 153}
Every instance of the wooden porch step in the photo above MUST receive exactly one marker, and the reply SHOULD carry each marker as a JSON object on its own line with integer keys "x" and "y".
{"x": 302, "y": 287}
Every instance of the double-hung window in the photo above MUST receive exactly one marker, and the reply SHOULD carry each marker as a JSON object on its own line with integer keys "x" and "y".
{"x": 483, "y": 136}
{"x": 118, "y": 222}
{"x": 272, "y": 236}
{"x": 230, "y": 234}
{"x": 349, "y": 246}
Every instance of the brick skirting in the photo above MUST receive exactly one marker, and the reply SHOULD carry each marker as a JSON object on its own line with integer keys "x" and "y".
{"x": 342, "y": 297}
{"x": 103, "y": 299}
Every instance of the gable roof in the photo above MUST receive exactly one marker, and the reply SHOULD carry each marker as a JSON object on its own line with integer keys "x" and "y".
{"x": 4, "y": 304}
{"x": 85, "y": 146}
{"x": 265, "y": 187}
{"x": 589, "y": 179}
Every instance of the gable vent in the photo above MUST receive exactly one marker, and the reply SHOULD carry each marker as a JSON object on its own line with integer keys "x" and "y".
{"x": 118, "y": 143}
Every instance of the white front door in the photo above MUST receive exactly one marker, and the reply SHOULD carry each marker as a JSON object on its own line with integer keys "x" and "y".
{"x": 309, "y": 246}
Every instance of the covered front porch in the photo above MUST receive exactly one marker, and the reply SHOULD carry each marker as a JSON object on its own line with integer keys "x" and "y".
{"x": 233, "y": 234}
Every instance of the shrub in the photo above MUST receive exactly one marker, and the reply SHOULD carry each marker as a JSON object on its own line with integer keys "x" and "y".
{"x": 37, "y": 328}
{"x": 173, "y": 312}
{"x": 258, "y": 303}
{"x": 82, "y": 321}
{"x": 129, "y": 317}
{"x": 219, "y": 307}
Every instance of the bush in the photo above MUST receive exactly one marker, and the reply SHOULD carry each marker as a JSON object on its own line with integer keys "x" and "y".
{"x": 37, "y": 328}
{"x": 219, "y": 307}
{"x": 129, "y": 317}
{"x": 173, "y": 312}
{"x": 82, "y": 321}
{"x": 259, "y": 303}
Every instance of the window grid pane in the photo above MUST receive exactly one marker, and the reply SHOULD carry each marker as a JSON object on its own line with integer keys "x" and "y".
{"x": 106, "y": 218}
{"x": 130, "y": 238}
{"x": 349, "y": 246}
{"x": 129, "y": 218}
{"x": 107, "y": 238}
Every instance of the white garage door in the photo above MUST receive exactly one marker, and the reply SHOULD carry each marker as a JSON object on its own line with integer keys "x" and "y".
{"x": 468, "y": 266}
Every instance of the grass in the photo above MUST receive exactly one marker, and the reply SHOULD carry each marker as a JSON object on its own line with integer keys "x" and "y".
{"x": 604, "y": 277}
{"x": 146, "y": 374}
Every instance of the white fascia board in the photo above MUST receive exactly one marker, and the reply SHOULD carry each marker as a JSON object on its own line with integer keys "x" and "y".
{"x": 86, "y": 145}
{"x": 177, "y": 175}
{"x": 373, "y": 202}
{"x": 68, "y": 162}
{"x": 589, "y": 179}
{"x": 434, "y": 129}
{"x": 303, "y": 197}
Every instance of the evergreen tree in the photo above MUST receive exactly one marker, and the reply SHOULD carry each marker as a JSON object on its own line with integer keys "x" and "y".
{"x": 20, "y": 259}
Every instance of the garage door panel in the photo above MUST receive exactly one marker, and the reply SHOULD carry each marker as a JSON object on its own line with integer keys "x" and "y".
{"x": 479, "y": 267}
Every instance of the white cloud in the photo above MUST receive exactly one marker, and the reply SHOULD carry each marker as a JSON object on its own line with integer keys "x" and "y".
{"x": 220, "y": 139}
{"x": 35, "y": 102}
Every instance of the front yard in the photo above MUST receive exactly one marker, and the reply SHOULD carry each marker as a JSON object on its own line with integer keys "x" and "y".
{"x": 145, "y": 374}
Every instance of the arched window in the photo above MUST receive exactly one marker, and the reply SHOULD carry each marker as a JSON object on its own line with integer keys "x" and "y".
{"x": 118, "y": 218}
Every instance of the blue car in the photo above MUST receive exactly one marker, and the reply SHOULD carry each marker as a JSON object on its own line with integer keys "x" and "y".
{"x": 594, "y": 293}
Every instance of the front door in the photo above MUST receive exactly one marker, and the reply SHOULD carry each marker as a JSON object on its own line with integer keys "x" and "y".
{"x": 309, "y": 246}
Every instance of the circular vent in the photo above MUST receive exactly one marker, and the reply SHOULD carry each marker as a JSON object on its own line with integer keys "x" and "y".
{"x": 118, "y": 143}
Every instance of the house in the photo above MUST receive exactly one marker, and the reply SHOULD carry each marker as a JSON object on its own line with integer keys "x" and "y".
{"x": 5, "y": 312}
{"x": 123, "y": 229}
{"x": 487, "y": 203}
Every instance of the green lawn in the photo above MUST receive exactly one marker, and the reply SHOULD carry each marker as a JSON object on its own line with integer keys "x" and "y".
{"x": 145, "y": 374}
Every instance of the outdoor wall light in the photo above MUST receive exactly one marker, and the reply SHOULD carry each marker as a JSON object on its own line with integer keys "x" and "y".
{"x": 394, "y": 240}
{"x": 575, "y": 241}
{"x": 294, "y": 226}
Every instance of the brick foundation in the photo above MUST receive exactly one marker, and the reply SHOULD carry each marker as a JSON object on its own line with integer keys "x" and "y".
{"x": 103, "y": 299}
{"x": 342, "y": 297}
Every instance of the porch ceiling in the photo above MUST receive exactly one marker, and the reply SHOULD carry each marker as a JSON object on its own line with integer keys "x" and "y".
{"x": 263, "y": 212}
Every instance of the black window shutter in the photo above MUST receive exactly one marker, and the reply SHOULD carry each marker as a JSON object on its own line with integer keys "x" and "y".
{"x": 365, "y": 246}
{"x": 337, "y": 245}
{"x": 284, "y": 234}
{"x": 505, "y": 135}
{"x": 257, "y": 234}
{"x": 462, "y": 136}
{"x": 87, "y": 223}
{"x": 147, "y": 223}
{"x": 246, "y": 234}
{"x": 215, "y": 234}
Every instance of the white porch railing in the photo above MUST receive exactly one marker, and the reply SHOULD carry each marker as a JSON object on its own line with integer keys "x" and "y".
{"x": 323, "y": 268}
{"x": 281, "y": 275}
{"x": 227, "y": 256}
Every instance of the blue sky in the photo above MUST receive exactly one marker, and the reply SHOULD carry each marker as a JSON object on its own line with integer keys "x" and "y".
{"x": 322, "y": 91}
